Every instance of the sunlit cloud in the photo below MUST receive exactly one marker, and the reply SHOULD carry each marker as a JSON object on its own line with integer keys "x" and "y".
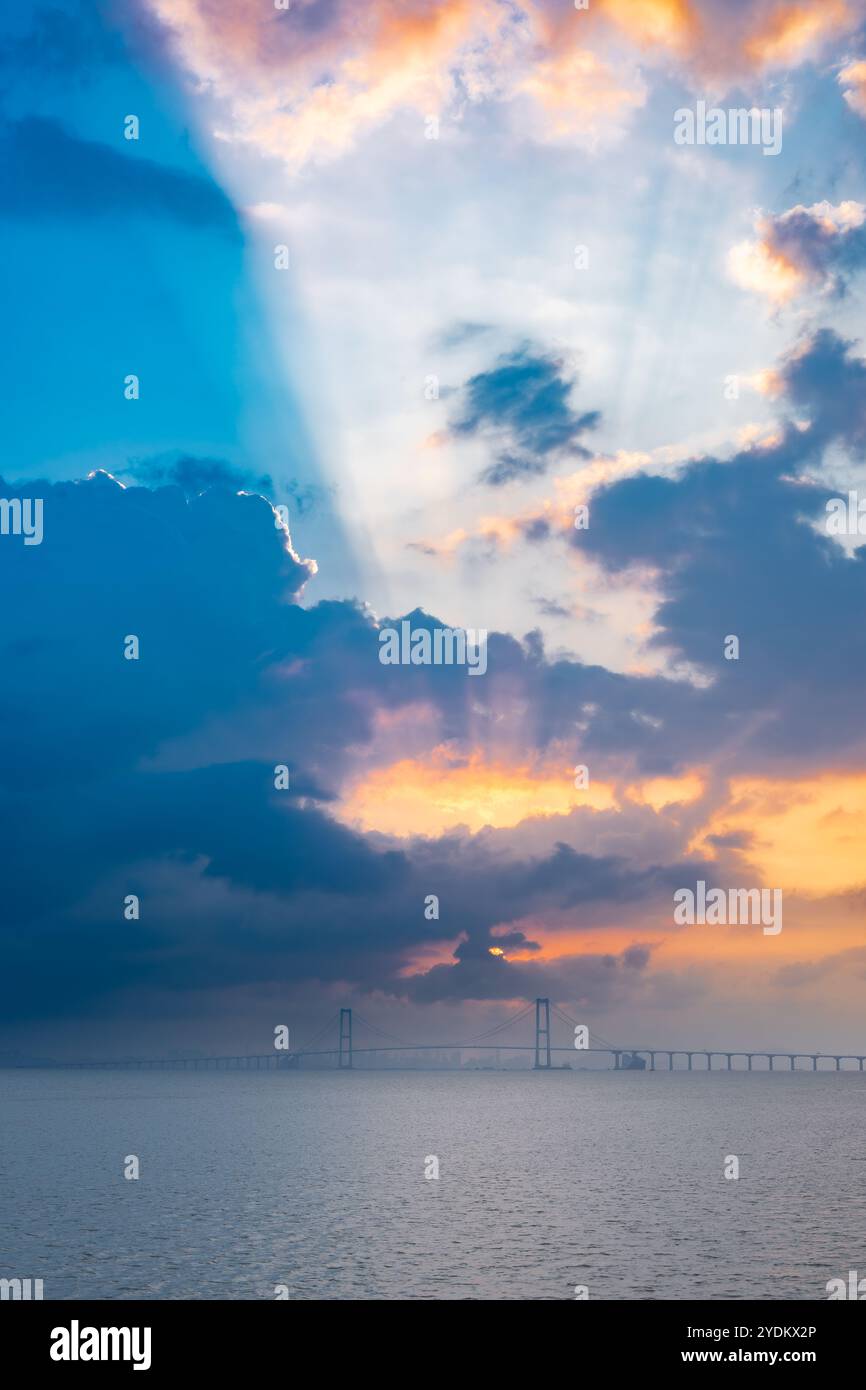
{"x": 581, "y": 96}
{"x": 667, "y": 24}
{"x": 661, "y": 792}
{"x": 429, "y": 797}
{"x": 853, "y": 82}
{"x": 755, "y": 266}
{"x": 805, "y": 835}
{"x": 298, "y": 86}
{"x": 791, "y": 33}
{"x": 815, "y": 246}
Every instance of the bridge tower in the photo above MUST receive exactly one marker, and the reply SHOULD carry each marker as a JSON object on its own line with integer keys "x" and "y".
{"x": 345, "y": 1038}
{"x": 542, "y": 1034}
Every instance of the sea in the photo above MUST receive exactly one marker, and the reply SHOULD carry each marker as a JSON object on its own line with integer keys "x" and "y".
{"x": 322, "y": 1185}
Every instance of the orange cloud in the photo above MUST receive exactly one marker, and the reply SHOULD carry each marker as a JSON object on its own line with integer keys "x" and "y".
{"x": 670, "y": 24}
{"x": 660, "y": 792}
{"x": 753, "y": 265}
{"x": 412, "y": 797}
{"x": 792, "y": 33}
{"x": 297, "y": 90}
{"x": 717, "y": 39}
{"x": 805, "y": 245}
{"x": 853, "y": 81}
{"x": 558, "y": 512}
{"x": 433, "y": 795}
{"x": 804, "y": 835}
{"x": 767, "y": 382}
{"x": 580, "y": 95}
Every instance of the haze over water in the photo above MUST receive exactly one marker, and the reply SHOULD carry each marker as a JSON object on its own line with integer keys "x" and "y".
{"x": 316, "y": 1181}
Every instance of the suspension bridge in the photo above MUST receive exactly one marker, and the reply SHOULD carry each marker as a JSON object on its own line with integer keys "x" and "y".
{"x": 582, "y": 1041}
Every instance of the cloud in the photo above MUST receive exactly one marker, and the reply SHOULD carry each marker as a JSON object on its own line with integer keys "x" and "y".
{"x": 734, "y": 553}
{"x": 522, "y": 409}
{"x": 803, "y": 832}
{"x": 438, "y": 793}
{"x": 851, "y": 963}
{"x": 597, "y": 981}
{"x": 308, "y": 83}
{"x": 671, "y": 26}
{"x": 116, "y": 561}
{"x": 579, "y": 96}
{"x": 784, "y": 35}
{"x": 715, "y": 38}
{"x": 156, "y": 777}
{"x": 853, "y": 81}
{"x": 47, "y": 172}
{"x": 806, "y": 247}
{"x": 460, "y": 332}
{"x": 825, "y": 376}
{"x": 195, "y": 475}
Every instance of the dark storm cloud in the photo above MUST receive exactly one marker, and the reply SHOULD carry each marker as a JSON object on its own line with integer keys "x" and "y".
{"x": 737, "y": 551}
{"x": 596, "y": 981}
{"x": 156, "y": 776}
{"x": 203, "y": 583}
{"x": 827, "y": 378}
{"x": 241, "y": 885}
{"x": 522, "y": 406}
{"x": 195, "y": 475}
{"x": 45, "y": 171}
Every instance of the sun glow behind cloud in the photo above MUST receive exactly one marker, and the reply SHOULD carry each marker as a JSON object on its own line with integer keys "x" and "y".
{"x": 415, "y": 797}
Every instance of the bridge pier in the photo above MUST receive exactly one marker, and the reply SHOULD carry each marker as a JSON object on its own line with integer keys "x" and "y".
{"x": 689, "y": 1055}
{"x": 345, "y": 1058}
{"x": 542, "y": 1034}
{"x": 728, "y": 1055}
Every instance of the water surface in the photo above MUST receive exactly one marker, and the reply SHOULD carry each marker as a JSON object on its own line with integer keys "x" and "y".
{"x": 315, "y": 1180}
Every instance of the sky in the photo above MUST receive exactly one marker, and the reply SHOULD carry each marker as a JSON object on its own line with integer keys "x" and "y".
{"x": 431, "y": 316}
